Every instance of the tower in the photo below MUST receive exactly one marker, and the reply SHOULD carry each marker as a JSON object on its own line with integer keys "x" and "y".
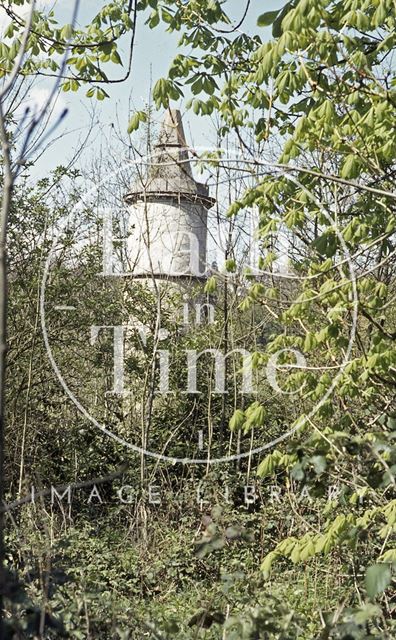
{"x": 168, "y": 213}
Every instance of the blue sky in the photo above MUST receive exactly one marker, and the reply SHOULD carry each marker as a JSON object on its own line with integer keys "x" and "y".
{"x": 153, "y": 53}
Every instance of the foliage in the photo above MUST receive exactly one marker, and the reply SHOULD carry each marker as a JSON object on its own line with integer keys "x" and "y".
{"x": 320, "y": 97}
{"x": 85, "y": 50}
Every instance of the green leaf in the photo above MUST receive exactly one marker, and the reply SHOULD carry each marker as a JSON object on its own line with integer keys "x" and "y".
{"x": 137, "y": 118}
{"x": 277, "y": 25}
{"x": 245, "y": 304}
{"x": 256, "y": 417}
{"x": 351, "y": 166}
{"x": 67, "y": 32}
{"x": 389, "y": 556}
{"x": 237, "y": 421}
{"x": 164, "y": 90}
{"x": 211, "y": 285}
{"x": 378, "y": 578}
{"x": 115, "y": 57}
{"x": 269, "y": 464}
{"x": 101, "y": 94}
{"x": 154, "y": 19}
{"x": 326, "y": 244}
{"x": 9, "y": 32}
{"x": 266, "y": 565}
{"x": 266, "y": 18}
{"x": 106, "y": 47}
{"x": 196, "y": 86}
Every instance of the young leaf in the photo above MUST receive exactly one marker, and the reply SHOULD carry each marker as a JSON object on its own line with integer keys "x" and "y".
{"x": 137, "y": 118}
{"x": 67, "y": 32}
{"x": 237, "y": 421}
{"x": 266, "y": 18}
{"x": 211, "y": 285}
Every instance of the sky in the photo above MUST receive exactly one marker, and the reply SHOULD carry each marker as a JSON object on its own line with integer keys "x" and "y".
{"x": 154, "y": 50}
{"x": 153, "y": 53}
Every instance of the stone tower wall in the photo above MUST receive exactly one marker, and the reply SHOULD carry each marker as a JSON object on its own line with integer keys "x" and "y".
{"x": 168, "y": 212}
{"x": 168, "y": 238}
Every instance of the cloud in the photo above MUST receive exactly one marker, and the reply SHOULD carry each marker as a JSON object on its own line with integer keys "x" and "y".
{"x": 39, "y": 96}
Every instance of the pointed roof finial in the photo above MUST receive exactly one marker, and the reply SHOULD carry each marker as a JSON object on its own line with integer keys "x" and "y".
{"x": 172, "y": 132}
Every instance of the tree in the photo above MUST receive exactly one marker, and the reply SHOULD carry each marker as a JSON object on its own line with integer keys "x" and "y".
{"x": 322, "y": 93}
{"x": 83, "y": 52}
{"x": 323, "y": 88}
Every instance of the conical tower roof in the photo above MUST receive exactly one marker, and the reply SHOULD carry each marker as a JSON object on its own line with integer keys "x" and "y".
{"x": 172, "y": 131}
{"x": 170, "y": 173}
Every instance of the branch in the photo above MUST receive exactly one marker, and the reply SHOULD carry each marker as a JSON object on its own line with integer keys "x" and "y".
{"x": 318, "y": 174}
{"x": 22, "y": 49}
